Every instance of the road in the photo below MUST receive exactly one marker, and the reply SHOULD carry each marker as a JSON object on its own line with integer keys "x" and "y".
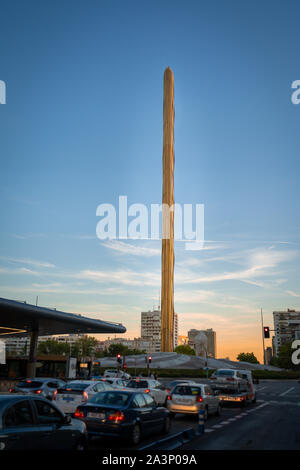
{"x": 272, "y": 423}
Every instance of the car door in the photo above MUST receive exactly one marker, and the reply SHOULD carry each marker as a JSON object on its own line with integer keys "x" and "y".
{"x": 54, "y": 433}
{"x": 156, "y": 392}
{"x": 19, "y": 428}
{"x": 142, "y": 412}
{"x": 156, "y": 417}
{"x": 210, "y": 399}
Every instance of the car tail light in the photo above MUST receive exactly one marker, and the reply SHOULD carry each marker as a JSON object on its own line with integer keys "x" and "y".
{"x": 199, "y": 399}
{"x": 230, "y": 379}
{"x": 147, "y": 390}
{"x": 78, "y": 414}
{"x": 169, "y": 397}
{"x": 54, "y": 395}
{"x": 168, "y": 390}
{"x": 84, "y": 396}
{"x": 117, "y": 416}
{"x": 38, "y": 392}
{"x": 11, "y": 390}
{"x": 28, "y": 381}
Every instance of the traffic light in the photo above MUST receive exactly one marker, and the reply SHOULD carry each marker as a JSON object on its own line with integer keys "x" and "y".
{"x": 119, "y": 358}
{"x": 266, "y": 332}
{"x": 150, "y": 359}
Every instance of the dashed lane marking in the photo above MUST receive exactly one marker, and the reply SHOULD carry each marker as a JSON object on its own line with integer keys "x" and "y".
{"x": 286, "y": 392}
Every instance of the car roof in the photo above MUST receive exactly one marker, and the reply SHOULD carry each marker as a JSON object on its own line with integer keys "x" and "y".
{"x": 11, "y": 398}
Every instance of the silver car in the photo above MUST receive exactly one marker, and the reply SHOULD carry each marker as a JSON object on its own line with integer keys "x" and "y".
{"x": 229, "y": 380}
{"x": 190, "y": 398}
{"x": 44, "y": 387}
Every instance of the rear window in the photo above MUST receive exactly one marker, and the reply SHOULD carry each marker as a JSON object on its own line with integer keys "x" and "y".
{"x": 226, "y": 373}
{"x": 137, "y": 384}
{"x": 75, "y": 386}
{"x": 110, "y": 398}
{"x": 29, "y": 384}
{"x": 185, "y": 390}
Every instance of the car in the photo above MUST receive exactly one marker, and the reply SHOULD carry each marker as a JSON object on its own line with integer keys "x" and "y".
{"x": 74, "y": 393}
{"x": 45, "y": 387}
{"x": 32, "y": 422}
{"x": 189, "y": 398}
{"x": 115, "y": 382}
{"x": 158, "y": 392}
{"x": 229, "y": 380}
{"x": 128, "y": 415}
{"x": 247, "y": 374}
{"x": 116, "y": 373}
{"x": 173, "y": 384}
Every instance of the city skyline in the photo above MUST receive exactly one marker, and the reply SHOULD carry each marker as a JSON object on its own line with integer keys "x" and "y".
{"x": 86, "y": 106}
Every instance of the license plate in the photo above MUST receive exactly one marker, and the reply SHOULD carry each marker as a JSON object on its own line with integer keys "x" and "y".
{"x": 96, "y": 415}
{"x": 185, "y": 401}
{"x": 68, "y": 398}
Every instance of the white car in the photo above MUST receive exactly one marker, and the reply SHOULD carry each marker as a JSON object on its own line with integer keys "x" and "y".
{"x": 229, "y": 380}
{"x": 115, "y": 382}
{"x": 77, "y": 393}
{"x": 251, "y": 389}
{"x": 153, "y": 387}
{"x": 116, "y": 373}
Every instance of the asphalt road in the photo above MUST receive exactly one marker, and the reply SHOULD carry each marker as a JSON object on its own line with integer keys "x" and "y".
{"x": 272, "y": 423}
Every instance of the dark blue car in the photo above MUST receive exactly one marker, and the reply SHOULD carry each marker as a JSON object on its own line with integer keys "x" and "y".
{"x": 30, "y": 422}
{"x": 123, "y": 414}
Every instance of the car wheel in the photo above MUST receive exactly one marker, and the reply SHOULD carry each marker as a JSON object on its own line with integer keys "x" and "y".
{"x": 81, "y": 445}
{"x": 219, "y": 410}
{"x": 135, "y": 436}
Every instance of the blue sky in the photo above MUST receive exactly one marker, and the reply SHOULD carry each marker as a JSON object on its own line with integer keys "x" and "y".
{"x": 83, "y": 125}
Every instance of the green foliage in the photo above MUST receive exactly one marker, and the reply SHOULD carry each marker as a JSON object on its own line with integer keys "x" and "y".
{"x": 185, "y": 349}
{"x": 117, "y": 348}
{"x": 247, "y": 357}
{"x": 284, "y": 358}
{"x": 84, "y": 346}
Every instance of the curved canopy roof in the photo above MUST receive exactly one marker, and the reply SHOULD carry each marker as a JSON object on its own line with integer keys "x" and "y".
{"x": 18, "y": 318}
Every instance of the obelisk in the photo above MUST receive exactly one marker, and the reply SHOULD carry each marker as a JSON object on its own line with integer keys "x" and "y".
{"x": 167, "y": 259}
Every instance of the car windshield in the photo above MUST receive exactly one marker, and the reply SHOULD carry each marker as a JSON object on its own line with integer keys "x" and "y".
{"x": 187, "y": 390}
{"x": 29, "y": 384}
{"x": 137, "y": 384}
{"x": 224, "y": 372}
{"x": 110, "y": 398}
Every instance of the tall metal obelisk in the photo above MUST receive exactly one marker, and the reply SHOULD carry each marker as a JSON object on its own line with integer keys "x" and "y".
{"x": 167, "y": 260}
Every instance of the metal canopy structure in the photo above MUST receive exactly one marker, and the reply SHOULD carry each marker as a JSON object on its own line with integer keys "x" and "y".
{"x": 21, "y": 319}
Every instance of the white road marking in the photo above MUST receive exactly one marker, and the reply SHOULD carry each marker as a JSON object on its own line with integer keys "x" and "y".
{"x": 208, "y": 430}
{"x": 217, "y": 426}
{"x": 286, "y": 392}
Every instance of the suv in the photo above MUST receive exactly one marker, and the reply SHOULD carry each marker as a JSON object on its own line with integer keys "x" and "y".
{"x": 229, "y": 380}
{"x": 45, "y": 387}
{"x": 77, "y": 393}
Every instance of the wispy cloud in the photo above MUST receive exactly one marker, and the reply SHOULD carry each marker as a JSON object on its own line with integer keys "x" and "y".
{"x": 30, "y": 262}
{"x": 130, "y": 249}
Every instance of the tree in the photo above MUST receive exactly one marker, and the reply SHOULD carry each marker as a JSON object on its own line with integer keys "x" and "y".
{"x": 84, "y": 347}
{"x": 52, "y": 346}
{"x": 247, "y": 357}
{"x": 185, "y": 349}
{"x": 284, "y": 357}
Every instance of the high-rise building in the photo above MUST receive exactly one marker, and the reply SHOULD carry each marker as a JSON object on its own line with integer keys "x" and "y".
{"x": 203, "y": 341}
{"x": 286, "y": 326}
{"x": 151, "y": 329}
